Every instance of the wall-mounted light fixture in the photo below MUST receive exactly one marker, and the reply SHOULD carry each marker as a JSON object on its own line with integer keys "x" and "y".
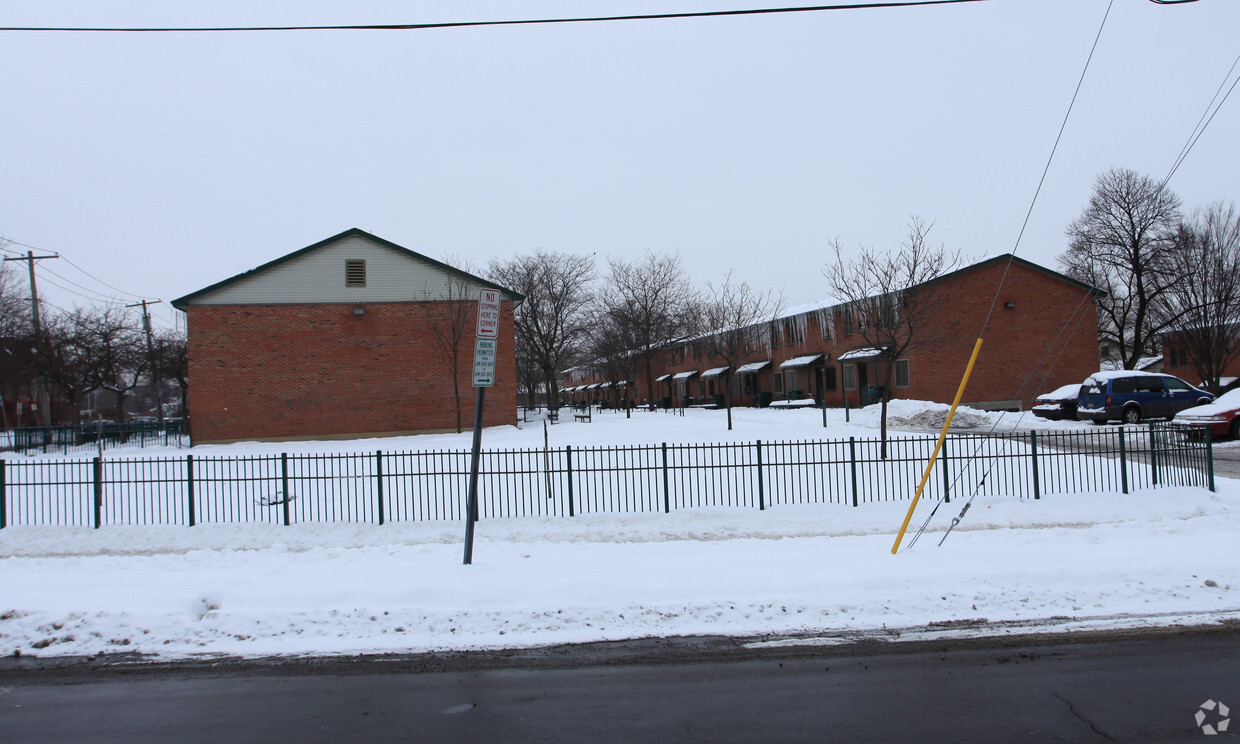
{"x": 359, "y": 310}
{"x": 1008, "y": 305}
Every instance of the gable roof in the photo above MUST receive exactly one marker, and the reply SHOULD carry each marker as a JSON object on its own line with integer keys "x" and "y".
{"x": 182, "y": 302}
{"x": 1006, "y": 257}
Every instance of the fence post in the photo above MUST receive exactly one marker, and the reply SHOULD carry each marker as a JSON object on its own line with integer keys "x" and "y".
{"x": 1123, "y": 461}
{"x": 97, "y": 477}
{"x": 379, "y": 480}
{"x": 1033, "y": 446}
{"x": 1153, "y": 456}
{"x": 284, "y": 484}
{"x": 568, "y": 465}
{"x": 761, "y": 491}
{"x": 189, "y": 487}
{"x": 4, "y": 515}
{"x": 852, "y": 456}
{"x": 947, "y": 476}
{"x": 667, "y": 499}
{"x": 1209, "y": 471}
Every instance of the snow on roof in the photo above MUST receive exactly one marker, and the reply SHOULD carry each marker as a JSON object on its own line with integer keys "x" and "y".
{"x": 604, "y": 385}
{"x": 715, "y": 371}
{"x": 664, "y": 377}
{"x": 684, "y": 375}
{"x": 862, "y": 353}
{"x": 1105, "y": 375}
{"x": 801, "y": 361}
{"x": 752, "y": 367}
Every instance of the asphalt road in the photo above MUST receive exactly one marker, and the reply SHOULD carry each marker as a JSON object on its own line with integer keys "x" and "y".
{"x": 1137, "y": 687}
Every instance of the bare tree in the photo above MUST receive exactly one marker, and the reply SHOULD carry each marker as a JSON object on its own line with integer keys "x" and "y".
{"x": 1123, "y": 243}
{"x": 67, "y": 358}
{"x": 17, "y": 342}
{"x": 612, "y": 348}
{"x": 737, "y": 318}
{"x": 893, "y": 297}
{"x": 450, "y": 313}
{"x": 14, "y": 303}
{"x": 1203, "y": 307}
{"x": 653, "y": 300}
{"x": 553, "y": 323}
{"x": 115, "y": 352}
{"x": 171, "y": 359}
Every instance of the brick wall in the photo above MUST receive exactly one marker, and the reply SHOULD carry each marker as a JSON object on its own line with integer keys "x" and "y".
{"x": 319, "y": 371}
{"x": 1047, "y": 338}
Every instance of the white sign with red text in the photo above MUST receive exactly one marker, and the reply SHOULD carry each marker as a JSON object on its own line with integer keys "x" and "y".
{"x": 488, "y": 313}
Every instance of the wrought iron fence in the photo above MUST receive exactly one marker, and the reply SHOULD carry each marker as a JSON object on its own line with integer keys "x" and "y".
{"x": 93, "y": 436}
{"x": 381, "y": 486}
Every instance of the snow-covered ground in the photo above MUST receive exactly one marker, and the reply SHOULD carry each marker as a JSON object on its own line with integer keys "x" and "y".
{"x": 792, "y": 574}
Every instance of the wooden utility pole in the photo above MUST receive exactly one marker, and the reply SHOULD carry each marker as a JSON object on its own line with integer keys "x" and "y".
{"x": 41, "y": 393}
{"x": 150, "y": 359}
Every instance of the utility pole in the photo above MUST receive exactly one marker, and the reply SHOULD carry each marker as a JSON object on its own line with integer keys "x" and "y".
{"x": 150, "y": 359}
{"x": 41, "y": 393}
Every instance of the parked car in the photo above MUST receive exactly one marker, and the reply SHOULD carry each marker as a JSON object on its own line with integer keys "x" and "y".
{"x": 1058, "y": 404}
{"x": 1222, "y": 416}
{"x": 1131, "y": 396}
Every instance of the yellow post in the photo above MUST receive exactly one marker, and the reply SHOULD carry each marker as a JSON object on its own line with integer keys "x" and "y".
{"x": 938, "y": 446}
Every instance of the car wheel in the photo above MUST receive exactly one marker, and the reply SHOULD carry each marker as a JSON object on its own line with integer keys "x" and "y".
{"x": 1235, "y": 428}
{"x": 1132, "y": 415}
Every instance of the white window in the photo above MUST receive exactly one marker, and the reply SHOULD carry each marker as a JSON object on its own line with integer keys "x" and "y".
{"x": 901, "y": 370}
{"x": 850, "y": 377}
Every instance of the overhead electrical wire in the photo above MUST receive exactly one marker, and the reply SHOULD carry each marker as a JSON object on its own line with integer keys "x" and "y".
{"x": 1002, "y": 279}
{"x": 475, "y": 24}
{"x": 1204, "y": 122}
{"x": 82, "y": 291}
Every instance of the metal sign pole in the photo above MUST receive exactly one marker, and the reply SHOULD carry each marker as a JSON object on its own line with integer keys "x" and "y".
{"x": 485, "y": 352}
{"x": 471, "y": 515}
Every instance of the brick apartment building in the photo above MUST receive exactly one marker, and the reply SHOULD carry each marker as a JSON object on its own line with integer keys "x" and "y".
{"x": 338, "y": 340}
{"x": 1042, "y": 333}
{"x": 1176, "y": 361}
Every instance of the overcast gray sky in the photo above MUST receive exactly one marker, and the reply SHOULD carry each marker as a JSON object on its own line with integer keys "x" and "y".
{"x": 161, "y": 163}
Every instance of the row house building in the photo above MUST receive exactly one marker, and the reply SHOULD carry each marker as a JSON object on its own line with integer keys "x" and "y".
{"x": 1039, "y": 333}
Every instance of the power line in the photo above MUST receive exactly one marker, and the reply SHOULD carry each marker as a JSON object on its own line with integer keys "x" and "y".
{"x": 1203, "y": 122}
{"x": 995, "y": 301}
{"x": 475, "y": 24}
{"x": 74, "y": 265}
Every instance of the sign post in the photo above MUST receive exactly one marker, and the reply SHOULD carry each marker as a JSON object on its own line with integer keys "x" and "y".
{"x": 486, "y": 347}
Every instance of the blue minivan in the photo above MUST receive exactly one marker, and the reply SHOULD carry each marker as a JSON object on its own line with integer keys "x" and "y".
{"x": 1131, "y": 396}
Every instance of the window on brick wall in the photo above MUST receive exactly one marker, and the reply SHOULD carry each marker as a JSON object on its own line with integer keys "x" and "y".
{"x": 850, "y": 376}
{"x": 901, "y": 373}
{"x": 355, "y": 272}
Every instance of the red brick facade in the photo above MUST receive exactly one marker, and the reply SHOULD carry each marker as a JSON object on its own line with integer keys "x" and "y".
{"x": 319, "y": 371}
{"x": 1043, "y": 333}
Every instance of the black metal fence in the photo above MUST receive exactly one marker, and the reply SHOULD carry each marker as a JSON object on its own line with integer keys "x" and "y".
{"x": 93, "y": 437}
{"x": 381, "y": 486}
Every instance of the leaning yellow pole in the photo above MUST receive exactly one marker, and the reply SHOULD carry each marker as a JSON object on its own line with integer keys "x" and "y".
{"x": 977, "y": 347}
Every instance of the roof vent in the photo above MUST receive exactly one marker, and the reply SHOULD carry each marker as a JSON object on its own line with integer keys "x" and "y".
{"x": 355, "y": 272}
